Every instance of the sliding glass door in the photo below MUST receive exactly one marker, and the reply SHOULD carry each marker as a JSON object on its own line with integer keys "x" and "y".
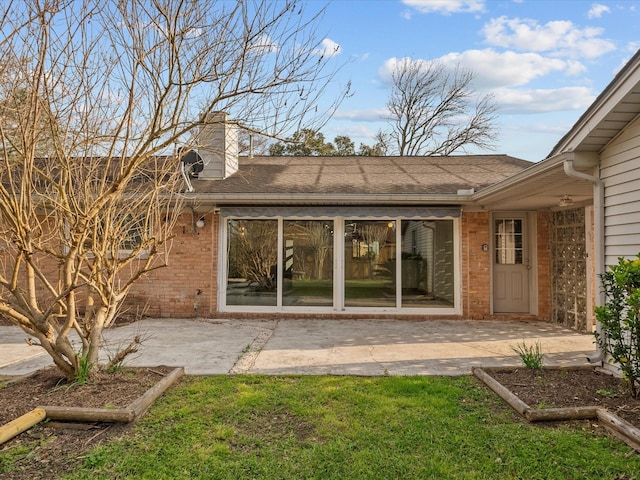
{"x": 338, "y": 264}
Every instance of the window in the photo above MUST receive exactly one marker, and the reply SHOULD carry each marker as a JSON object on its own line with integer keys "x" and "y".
{"x": 427, "y": 263}
{"x": 308, "y": 263}
{"x": 342, "y": 263}
{"x": 253, "y": 262}
{"x": 509, "y": 242}
{"x": 370, "y": 270}
{"x": 122, "y": 233}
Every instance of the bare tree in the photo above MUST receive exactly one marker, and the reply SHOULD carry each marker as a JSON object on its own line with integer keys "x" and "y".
{"x": 380, "y": 148}
{"x": 251, "y": 143}
{"x": 319, "y": 239}
{"x": 93, "y": 97}
{"x": 374, "y": 235}
{"x": 433, "y": 111}
{"x": 256, "y": 257}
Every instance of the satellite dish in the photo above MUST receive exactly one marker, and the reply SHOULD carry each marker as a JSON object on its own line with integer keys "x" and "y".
{"x": 192, "y": 163}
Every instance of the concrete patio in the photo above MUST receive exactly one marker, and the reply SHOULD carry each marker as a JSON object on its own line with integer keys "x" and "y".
{"x": 312, "y": 346}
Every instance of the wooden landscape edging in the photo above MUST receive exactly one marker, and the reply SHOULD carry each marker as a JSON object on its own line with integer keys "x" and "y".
{"x": 79, "y": 414}
{"x": 617, "y": 426}
{"x": 20, "y": 424}
{"x": 122, "y": 415}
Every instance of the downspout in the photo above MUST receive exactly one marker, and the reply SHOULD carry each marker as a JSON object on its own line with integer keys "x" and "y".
{"x": 598, "y": 232}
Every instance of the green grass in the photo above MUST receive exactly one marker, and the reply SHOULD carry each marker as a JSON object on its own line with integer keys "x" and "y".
{"x": 326, "y": 427}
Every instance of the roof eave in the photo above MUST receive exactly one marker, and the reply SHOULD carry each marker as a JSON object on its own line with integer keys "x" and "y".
{"x": 359, "y": 199}
{"x": 517, "y": 179}
{"x": 604, "y": 103}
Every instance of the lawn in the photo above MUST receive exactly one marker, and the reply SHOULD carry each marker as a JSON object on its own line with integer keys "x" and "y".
{"x": 327, "y": 427}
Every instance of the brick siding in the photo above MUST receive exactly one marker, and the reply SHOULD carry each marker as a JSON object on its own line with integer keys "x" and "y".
{"x": 171, "y": 291}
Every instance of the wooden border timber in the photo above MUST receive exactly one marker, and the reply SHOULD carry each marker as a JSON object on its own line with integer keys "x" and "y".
{"x": 124, "y": 415}
{"x": 620, "y": 428}
{"x": 20, "y": 424}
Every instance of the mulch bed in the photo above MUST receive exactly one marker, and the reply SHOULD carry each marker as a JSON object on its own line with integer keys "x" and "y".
{"x": 555, "y": 388}
{"x": 60, "y": 446}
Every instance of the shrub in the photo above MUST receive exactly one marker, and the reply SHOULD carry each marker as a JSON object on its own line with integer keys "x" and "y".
{"x": 619, "y": 317}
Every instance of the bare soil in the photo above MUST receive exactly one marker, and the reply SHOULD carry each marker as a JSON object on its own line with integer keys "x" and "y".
{"x": 56, "y": 448}
{"x": 554, "y": 388}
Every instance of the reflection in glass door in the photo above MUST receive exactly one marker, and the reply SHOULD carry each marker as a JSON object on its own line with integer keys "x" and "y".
{"x": 253, "y": 262}
{"x": 370, "y": 263}
{"x": 427, "y": 267}
{"x": 308, "y": 263}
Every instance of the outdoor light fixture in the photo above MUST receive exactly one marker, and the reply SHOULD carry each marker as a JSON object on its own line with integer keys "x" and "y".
{"x": 200, "y": 222}
{"x": 565, "y": 201}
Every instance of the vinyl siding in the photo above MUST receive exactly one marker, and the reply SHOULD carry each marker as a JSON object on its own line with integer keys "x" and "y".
{"x": 620, "y": 172}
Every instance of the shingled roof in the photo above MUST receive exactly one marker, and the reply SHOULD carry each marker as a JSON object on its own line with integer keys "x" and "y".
{"x": 361, "y": 175}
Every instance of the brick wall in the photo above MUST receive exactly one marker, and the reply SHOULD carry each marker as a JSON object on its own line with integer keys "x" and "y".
{"x": 476, "y": 267}
{"x": 192, "y": 265}
{"x": 476, "y": 285}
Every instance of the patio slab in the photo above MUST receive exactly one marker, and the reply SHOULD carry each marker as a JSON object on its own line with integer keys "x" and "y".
{"x": 314, "y": 346}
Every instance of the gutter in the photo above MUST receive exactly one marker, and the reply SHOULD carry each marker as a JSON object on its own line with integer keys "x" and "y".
{"x": 305, "y": 198}
{"x": 598, "y": 212}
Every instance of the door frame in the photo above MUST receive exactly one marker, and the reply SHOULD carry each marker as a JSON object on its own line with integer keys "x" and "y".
{"x": 531, "y": 237}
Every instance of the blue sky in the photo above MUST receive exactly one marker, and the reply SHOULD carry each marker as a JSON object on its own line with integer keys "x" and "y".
{"x": 544, "y": 61}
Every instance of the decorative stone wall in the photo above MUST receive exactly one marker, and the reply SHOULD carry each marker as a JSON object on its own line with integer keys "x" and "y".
{"x": 569, "y": 269}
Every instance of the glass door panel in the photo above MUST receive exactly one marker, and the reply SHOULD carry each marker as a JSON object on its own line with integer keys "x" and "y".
{"x": 427, "y": 263}
{"x": 370, "y": 263}
{"x": 308, "y": 263}
{"x": 253, "y": 262}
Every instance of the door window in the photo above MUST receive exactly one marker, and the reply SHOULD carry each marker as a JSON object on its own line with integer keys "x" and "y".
{"x": 509, "y": 241}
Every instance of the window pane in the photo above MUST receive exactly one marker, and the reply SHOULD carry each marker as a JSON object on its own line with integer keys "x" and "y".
{"x": 253, "y": 259}
{"x": 427, "y": 263}
{"x": 508, "y": 241}
{"x": 370, "y": 263}
{"x": 308, "y": 263}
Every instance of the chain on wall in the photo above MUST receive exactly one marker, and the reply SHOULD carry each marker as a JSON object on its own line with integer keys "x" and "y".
{"x": 569, "y": 269}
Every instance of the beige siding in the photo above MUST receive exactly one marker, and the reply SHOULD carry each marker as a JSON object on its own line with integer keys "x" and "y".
{"x": 620, "y": 171}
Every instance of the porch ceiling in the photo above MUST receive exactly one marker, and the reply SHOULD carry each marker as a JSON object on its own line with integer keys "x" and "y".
{"x": 537, "y": 188}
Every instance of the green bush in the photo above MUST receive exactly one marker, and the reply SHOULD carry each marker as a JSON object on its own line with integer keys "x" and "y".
{"x": 619, "y": 317}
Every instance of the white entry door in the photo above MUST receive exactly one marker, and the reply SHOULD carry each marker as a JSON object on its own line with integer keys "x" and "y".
{"x": 511, "y": 267}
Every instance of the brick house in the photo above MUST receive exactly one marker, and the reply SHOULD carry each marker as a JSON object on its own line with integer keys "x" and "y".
{"x": 468, "y": 236}
{"x": 354, "y": 236}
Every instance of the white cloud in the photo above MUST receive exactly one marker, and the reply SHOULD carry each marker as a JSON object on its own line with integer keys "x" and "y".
{"x": 391, "y": 64}
{"x": 501, "y": 69}
{"x": 597, "y": 10}
{"x": 494, "y": 69}
{"x": 634, "y": 46}
{"x": 406, "y": 14}
{"x": 263, "y": 45}
{"x": 559, "y": 37}
{"x": 498, "y": 74}
{"x": 445, "y": 7}
{"x": 357, "y": 132}
{"x": 367, "y": 115}
{"x": 542, "y": 100}
{"x": 328, "y": 48}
